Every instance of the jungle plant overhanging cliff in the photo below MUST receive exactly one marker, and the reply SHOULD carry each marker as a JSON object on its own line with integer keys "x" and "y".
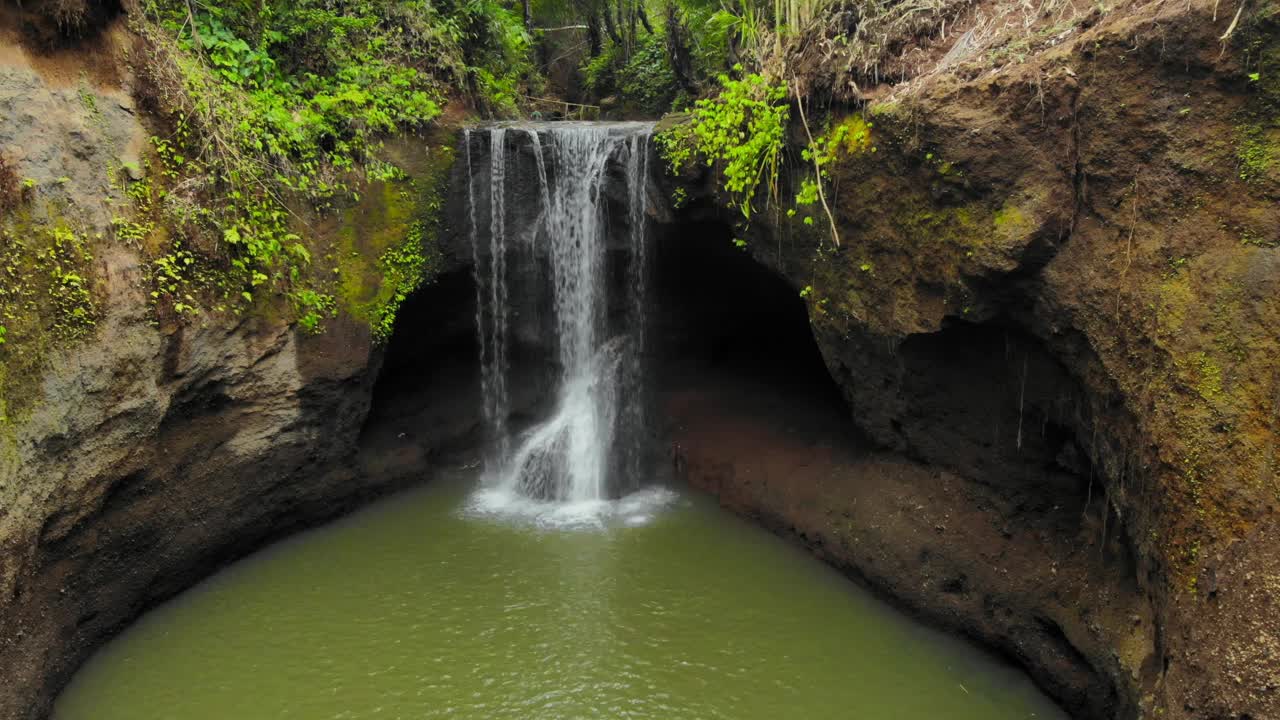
{"x": 1106, "y": 183}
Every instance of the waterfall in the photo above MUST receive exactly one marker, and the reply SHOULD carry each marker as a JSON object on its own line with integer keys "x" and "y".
{"x": 632, "y": 385}
{"x": 491, "y": 290}
{"x": 590, "y": 446}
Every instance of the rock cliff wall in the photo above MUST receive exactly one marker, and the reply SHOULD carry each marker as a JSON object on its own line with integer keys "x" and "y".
{"x": 140, "y": 451}
{"x": 1057, "y": 281}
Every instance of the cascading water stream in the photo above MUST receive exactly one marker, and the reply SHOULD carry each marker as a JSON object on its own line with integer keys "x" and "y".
{"x": 637, "y": 176}
{"x": 491, "y": 292}
{"x": 589, "y": 448}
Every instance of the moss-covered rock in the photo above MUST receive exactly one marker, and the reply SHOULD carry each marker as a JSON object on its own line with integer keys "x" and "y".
{"x": 48, "y": 291}
{"x": 388, "y": 243}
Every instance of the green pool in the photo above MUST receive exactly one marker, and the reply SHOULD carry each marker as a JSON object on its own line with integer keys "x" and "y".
{"x": 442, "y": 604}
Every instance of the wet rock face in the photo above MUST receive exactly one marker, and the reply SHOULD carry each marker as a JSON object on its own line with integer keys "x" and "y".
{"x": 152, "y": 460}
{"x": 152, "y": 453}
{"x": 65, "y": 137}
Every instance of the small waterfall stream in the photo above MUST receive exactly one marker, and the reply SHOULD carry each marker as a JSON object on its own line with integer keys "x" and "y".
{"x": 588, "y": 449}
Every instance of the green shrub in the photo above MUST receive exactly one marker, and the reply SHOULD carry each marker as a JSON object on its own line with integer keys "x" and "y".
{"x": 404, "y": 267}
{"x": 599, "y": 74}
{"x": 648, "y": 84}
{"x": 741, "y": 131}
{"x": 313, "y": 307}
{"x": 46, "y": 287}
{"x": 644, "y": 82}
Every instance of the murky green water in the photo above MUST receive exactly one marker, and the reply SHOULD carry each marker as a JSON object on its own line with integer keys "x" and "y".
{"x": 417, "y": 608}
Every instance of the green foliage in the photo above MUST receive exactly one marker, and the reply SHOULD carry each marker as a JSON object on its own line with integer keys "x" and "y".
{"x": 313, "y": 307}
{"x": 644, "y": 81}
{"x": 176, "y": 279}
{"x": 500, "y": 51}
{"x": 66, "y": 261}
{"x": 135, "y": 225}
{"x": 386, "y": 248}
{"x": 648, "y": 84}
{"x": 716, "y": 29}
{"x": 280, "y": 105}
{"x": 679, "y": 197}
{"x": 1258, "y": 150}
{"x": 291, "y": 90}
{"x": 751, "y": 30}
{"x": 599, "y": 73}
{"x": 743, "y": 24}
{"x": 260, "y": 240}
{"x": 46, "y": 273}
{"x": 89, "y": 102}
{"x": 404, "y": 267}
{"x": 1257, "y": 140}
{"x": 683, "y": 48}
{"x": 741, "y": 131}
{"x": 849, "y": 137}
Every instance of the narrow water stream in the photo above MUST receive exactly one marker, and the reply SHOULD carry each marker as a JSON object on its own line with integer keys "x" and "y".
{"x": 419, "y": 608}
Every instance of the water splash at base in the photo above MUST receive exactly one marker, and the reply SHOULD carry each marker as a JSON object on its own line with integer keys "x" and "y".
{"x": 637, "y": 508}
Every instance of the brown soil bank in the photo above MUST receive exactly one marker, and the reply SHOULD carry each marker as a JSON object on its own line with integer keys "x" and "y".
{"x": 1056, "y": 293}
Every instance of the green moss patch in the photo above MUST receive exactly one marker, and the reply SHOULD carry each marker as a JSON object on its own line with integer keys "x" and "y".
{"x": 47, "y": 300}
{"x": 1258, "y": 152}
{"x": 386, "y": 246}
